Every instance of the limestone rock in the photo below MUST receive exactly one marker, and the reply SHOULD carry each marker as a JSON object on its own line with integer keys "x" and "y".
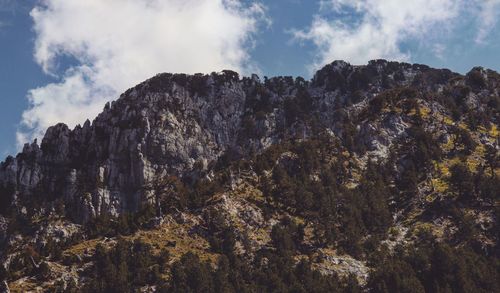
{"x": 175, "y": 124}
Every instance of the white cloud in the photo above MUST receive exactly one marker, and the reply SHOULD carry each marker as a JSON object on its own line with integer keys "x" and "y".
{"x": 118, "y": 43}
{"x": 384, "y": 26}
{"x": 488, "y": 18}
{"x": 339, "y": 5}
{"x": 71, "y": 101}
{"x": 439, "y": 49}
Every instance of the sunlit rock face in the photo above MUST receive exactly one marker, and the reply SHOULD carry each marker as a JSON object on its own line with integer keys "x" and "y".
{"x": 182, "y": 125}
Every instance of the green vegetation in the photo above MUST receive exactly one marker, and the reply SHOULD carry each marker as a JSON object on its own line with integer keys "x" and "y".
{"x": 404, "y": 188}
{"x": 312, "y": 185}
{"x": 130, "y": 265}
{"x": 125, "y": 224}
{"x": 124, "y": 267}
{"x": 434, "y": 267}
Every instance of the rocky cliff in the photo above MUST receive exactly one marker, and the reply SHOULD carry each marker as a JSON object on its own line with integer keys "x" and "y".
{"x": 171, "y": 124}
{"x": 242, "y": 132}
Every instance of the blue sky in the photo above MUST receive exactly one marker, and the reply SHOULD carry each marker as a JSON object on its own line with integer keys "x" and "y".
{"x": 61, "y": 60}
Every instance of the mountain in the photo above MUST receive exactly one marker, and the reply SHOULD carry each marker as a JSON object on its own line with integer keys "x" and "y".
{"x": 382, "y": 177}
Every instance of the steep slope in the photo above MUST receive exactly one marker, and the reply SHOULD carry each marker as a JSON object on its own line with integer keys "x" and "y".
{"x": 171, "y": 122}
{"x": 350, "y": 170}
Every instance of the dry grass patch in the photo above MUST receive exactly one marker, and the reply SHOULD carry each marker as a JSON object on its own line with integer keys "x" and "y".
{"x": 176, "y": 239}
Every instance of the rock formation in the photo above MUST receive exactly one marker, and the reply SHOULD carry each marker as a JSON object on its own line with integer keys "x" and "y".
{"x": 356, "y": 162}
{"x": 173, "y": 124}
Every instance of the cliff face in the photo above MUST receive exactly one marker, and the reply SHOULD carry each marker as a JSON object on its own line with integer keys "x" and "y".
{"x": 350, "y": 171}
{"x": 172, "y": 124}
{"x": 156, "y": 129}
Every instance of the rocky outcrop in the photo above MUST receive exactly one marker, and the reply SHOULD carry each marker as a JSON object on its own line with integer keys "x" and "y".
{"x": 174, "y": 124}
{"x": 4, "y": 287}
{"x": 345, "y": 173}
{"x": 4, "y": 225}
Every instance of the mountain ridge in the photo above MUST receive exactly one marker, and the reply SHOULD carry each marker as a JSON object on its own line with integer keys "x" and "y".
{"x": 337, "y": 170}
{"x": 340, "y": 79}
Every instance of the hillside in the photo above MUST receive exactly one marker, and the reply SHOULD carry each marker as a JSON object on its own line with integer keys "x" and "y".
{"x": 382, "y": 177}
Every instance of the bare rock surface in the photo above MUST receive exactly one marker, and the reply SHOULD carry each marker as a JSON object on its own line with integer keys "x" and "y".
{"x": 172, "y": 123}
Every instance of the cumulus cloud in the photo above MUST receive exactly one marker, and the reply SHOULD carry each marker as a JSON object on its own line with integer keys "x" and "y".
{"x": 115, "y": 44}
{"x": 382, "y": 28}
{"x": 383, "y": 25}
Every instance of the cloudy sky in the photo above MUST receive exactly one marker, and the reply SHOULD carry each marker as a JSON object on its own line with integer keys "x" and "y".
{"x": 61, "y": 60}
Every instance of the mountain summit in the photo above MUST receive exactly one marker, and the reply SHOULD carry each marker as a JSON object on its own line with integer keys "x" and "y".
{"x": 381, "y": 177}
